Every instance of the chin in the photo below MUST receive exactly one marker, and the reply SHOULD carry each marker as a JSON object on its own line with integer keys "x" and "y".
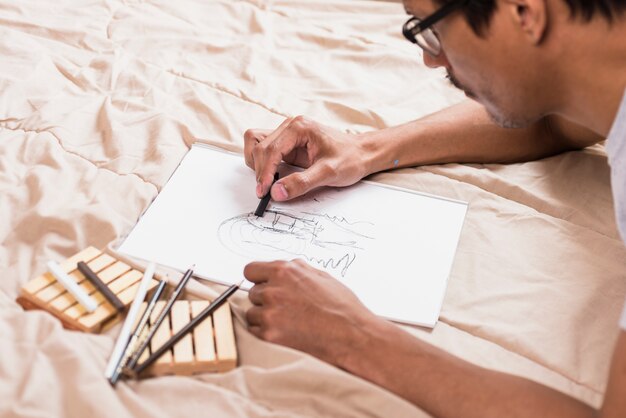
{"x": 507, "y": 119}
{"x": 508, "y": 122}
{"x": 471, "y": 95}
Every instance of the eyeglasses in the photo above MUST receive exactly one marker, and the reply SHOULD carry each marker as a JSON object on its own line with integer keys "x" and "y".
{"x": 419, "y": 31}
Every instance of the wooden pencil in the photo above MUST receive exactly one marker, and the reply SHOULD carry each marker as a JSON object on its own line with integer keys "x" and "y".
{"x": 101, "y": 286}
{"x": 187, "y": 328}
{"x": 162, "y": 315}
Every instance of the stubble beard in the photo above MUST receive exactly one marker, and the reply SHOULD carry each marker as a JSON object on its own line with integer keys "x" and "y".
{"x": 503, "y": 121}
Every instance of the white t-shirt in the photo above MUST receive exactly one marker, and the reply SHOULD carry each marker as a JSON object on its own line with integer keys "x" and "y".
{"x": 616, "y": 151}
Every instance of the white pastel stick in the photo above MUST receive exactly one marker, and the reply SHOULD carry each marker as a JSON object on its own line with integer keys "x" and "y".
{"x": 71, "y": 286}
{"x": 133, "y": 312}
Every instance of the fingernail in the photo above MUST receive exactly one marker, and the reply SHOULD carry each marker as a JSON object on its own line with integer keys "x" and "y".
{"x": 259, "y": 190}
{"x": 279, "y": 192}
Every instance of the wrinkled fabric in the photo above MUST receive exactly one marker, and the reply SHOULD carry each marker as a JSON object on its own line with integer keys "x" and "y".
{"x": 616, "y": 153}
{"x": 100, "y": 100}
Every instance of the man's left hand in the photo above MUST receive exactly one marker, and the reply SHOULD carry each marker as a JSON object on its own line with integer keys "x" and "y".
{"x": 304, "y": 308}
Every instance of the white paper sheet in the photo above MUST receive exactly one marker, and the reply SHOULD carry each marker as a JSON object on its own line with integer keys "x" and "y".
{"x": 394, "y": 248}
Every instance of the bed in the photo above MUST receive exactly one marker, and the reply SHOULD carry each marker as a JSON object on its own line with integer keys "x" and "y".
{"x": 100, "y": 100}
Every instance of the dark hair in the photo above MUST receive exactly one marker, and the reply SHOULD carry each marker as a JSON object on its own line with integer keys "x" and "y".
{"x": 478, "y": 12}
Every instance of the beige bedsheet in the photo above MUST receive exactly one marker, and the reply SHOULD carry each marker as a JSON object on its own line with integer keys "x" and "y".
{"x": 100, "y": 99}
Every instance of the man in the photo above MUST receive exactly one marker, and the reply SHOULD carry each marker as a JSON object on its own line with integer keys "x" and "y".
{"x": 553, "y": 69}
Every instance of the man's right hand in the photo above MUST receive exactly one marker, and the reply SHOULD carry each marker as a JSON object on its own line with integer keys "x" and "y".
{"x": 330, "y": 157}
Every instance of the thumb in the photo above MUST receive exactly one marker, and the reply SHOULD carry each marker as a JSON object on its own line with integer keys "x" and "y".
{"x": 299, "y": 183}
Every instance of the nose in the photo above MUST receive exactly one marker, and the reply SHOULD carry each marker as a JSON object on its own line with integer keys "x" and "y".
{"x": 434, "y": 62}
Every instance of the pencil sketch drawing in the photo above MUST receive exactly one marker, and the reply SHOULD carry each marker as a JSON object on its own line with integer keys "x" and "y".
{"x": 330, "y": 241}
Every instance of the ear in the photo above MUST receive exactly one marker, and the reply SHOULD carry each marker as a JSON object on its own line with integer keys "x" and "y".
{"x": 531, "y": 16}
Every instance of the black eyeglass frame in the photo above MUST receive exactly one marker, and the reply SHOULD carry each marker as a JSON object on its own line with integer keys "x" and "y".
{"x": 414, "y": 26}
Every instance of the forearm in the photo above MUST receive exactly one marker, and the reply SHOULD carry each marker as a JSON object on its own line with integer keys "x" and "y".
{"x": 462, "y": 133}
{"x": 446, "y": 386}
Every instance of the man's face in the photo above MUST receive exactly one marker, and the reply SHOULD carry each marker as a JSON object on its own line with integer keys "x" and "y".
{"x": 498, "y": 70}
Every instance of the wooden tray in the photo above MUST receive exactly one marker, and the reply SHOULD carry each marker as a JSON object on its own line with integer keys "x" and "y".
{"x": 44, "y": 292}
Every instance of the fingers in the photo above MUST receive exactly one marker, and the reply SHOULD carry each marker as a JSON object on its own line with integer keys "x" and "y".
{"x": 255, "y": 330}
{"x": 259, "y": 271}
{"x": 265, "y": 151}
{"x": 275, "y": 272}
{"x": 254, "y": 316}
{"x": 250, "y": 138}
{"x": 267, "y": 155}
{"x": 255, "y": 294}
{"x": 260, "y": 324}
{"x": 297, "y": 184}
